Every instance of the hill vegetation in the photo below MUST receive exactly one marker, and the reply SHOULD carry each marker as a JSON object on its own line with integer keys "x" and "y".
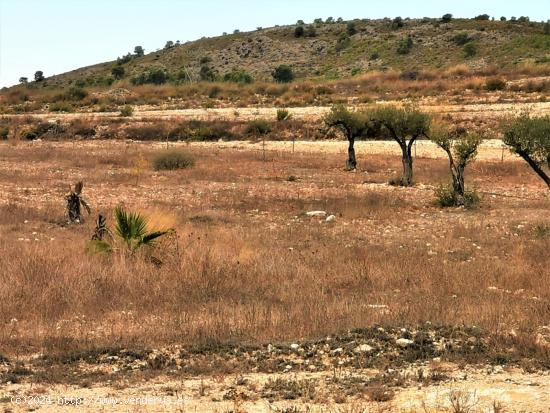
{"x": 241, "y": 66}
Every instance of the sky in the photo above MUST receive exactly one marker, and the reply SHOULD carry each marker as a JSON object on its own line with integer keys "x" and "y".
{"x": 56, "y": 36}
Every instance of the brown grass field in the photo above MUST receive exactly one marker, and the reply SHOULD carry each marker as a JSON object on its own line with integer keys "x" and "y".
{"x": 247, "y": 266}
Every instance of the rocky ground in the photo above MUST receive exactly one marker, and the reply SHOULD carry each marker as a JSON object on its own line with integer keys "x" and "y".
{"x": 429, "y": 368}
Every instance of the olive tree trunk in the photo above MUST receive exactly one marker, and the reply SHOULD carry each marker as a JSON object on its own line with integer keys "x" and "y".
{"x": 351, "y": 164}
{"x": 407, "y": 179}
{"x": 536, "y": 167}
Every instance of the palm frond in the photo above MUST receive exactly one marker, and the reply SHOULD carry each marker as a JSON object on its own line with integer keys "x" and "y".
{"x": 78, "y": 187}
{"x": 149, "y": 238}
{"x": 86, "y": 206}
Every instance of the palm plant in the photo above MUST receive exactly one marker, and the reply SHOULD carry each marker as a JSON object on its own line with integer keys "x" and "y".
{"x": 130, "y": 230}
{"x": 75, "y": 201}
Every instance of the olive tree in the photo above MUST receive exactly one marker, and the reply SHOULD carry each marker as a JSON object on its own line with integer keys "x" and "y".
{"x": 352, "y": 124}
{"x": 461, "y": 148}
{"x": 405, "y": 126}
{"x": 529, "y": 137}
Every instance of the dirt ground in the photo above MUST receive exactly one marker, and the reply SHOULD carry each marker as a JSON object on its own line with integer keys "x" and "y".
{"x": 474, "y": 390}
{"x": 286, "y": 282}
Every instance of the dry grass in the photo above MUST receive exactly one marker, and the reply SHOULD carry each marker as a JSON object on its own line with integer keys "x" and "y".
{"x": 247, "y": 264}
{"x": 460, "y": 83}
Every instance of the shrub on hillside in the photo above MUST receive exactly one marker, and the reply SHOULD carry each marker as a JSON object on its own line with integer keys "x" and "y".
{"x": 172, "y": 160}
{"x": 405, "y": 45}
{"x": 283, "y": 74}
{"x": 75, "y": 93}
{"x": 461, "y": 38}
{"x": 470, "y": 50}
{"x": 155, "y": 75}
{"x": 238, "y": 76}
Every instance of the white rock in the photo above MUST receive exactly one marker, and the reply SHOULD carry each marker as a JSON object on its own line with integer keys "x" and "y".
{"x": 403, "y": 342}
{"x": 294, "y": 346}
{"x": 331, "y": 218}
{"x": 363, "y": 348}
{"x": 316, "y": 213}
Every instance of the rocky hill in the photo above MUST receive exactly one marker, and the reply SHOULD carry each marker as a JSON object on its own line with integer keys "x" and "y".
{"x": 331, "y": 50}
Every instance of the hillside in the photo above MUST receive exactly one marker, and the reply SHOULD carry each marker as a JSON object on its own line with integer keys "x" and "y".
{"x": 334, "y": 51}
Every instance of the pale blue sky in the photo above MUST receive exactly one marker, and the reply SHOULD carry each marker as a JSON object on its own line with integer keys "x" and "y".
{"x": 60, "y": 35}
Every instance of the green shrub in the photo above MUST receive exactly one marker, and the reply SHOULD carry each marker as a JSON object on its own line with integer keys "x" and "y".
{"x": 397, "y": 23}
{"x": 299, "y": 31}
{"x": 126, "y": 111}
{"x": 446, "y": 18}
{"x": 207, "y": 74}
{"x": 447, "y": 197}
{"x": 460, "y": 39}
{"x": 172, "y": 160}
{"x": 118, "y": 72}
{"x": 470, "y": 50}
{"x": 343, "y": 42}
{"x": 495, "y": 83}
{"x": 405, "y": 45}
{"x": 237, "y": 76}
{"x": 155, "y": 75}
{"x": 542, "y": 230}
{"x": 75, "y": 93}
{"x": 351, "y": 29}
{"x": 29, "y": 135}
{"x": 4, "y": 132}
{"x": 258, "y": 127}
{"x": 482, "y": 17}
{"x": 283, "y": 114}
{"x": 283, "y": 74}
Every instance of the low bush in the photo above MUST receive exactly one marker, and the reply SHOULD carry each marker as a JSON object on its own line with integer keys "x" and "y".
{"x": 237, "y": 76}
{"x": 61, "y": 107}
{"x": 495, "y": 83}
{"x": 126, "y": 111}
{"x": 258, "y": 127}
{"x": 470, "y": 50}
{"x": 460, "y": 39}
{"x": 447, "y": 197}
{"x": 172, "y": 160}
